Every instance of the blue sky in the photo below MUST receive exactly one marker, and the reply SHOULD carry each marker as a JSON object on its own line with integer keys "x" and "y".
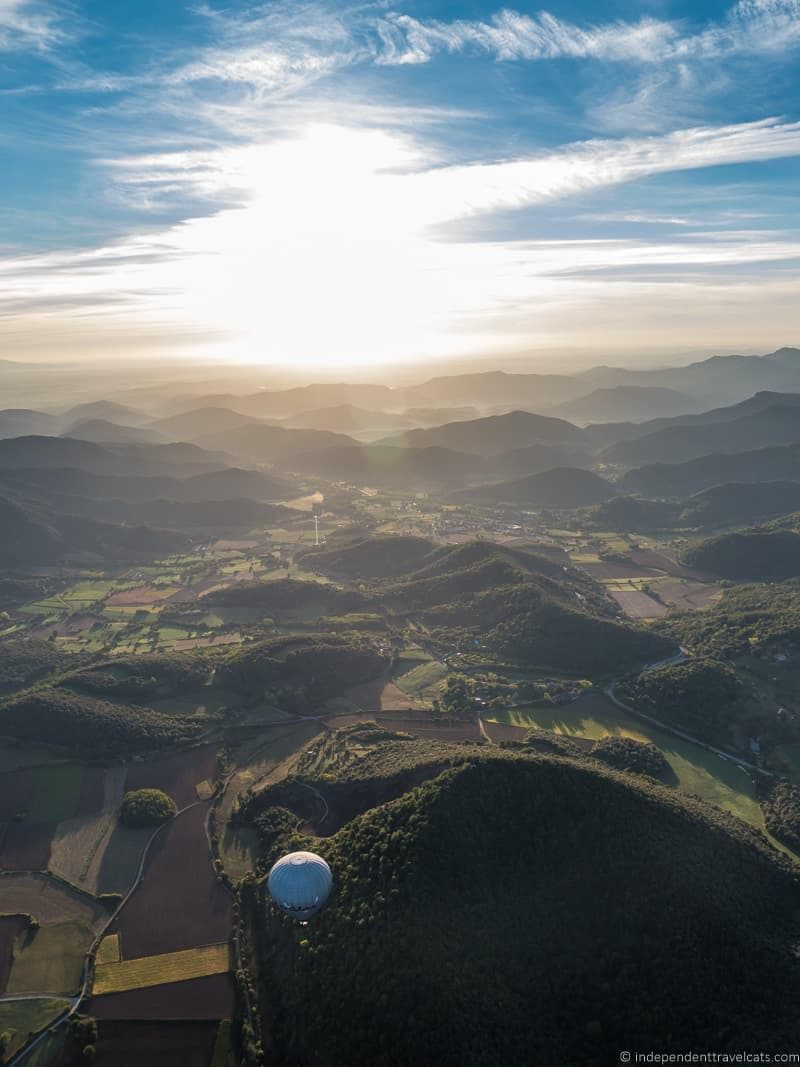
{"x": 350, "y": 183}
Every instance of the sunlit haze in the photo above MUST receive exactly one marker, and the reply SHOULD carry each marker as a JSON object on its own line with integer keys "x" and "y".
{"x": 334, "y": 185}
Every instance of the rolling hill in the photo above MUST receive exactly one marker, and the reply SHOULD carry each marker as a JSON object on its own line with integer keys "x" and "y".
{"x": 495, "y": 389}
{"x": 61, "y": 484}
{"x": 774, "y": 425}
{"x": 738, "y": 503}
{"x": 200, "y": 422}
{"x": 512, "y": 910}
{"x": 107, "y": 411}
{"x": 263, "y": 443}
{"x": 562, "y": 487}
{"x": 101, "y": 431}
{"x": 632, "y": 514}
{"x": 521, "y": 606}
{"x": 761, "y": 554}
{"x": 492, "y": 435}
{"x": 622, "y": 402}
{"x": 718, "y": 380}
{"x": 385, "y": 556}
{"x": 31, "y": 536}
{"x": 22, "y": 422}
{"x": 56, "y": 453}
{"x": 781, "y": 463}
{"x": 610, "y": 433}
{"x": 284, "y": 402}
{"x": 380, "y": 465}
{"x": 346, "y": 418}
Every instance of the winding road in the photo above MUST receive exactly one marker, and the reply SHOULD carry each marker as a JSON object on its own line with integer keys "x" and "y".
{"x": 88, "y": 962}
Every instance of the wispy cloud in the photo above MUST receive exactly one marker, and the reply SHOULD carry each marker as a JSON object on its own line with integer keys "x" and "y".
{"x": 509, "y": 35}
{"x": 30, "y": 24}
{"x": 752, "y": 26}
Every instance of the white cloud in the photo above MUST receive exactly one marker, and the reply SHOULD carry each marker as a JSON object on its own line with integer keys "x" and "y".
{"x": 509, "y": 35}
{"x": 29, "y": 24}
{"x": 751, "y": 26}
{"x": 334, "y": 248}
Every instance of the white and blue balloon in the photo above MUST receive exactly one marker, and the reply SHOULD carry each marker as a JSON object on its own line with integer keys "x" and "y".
{"x": 300, "y": 883}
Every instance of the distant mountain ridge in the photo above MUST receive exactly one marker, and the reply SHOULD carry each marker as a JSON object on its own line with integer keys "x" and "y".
{"x": 779, "y": 463}
{"x": 775, "y": 425}
{"x": 493, "y": 434}
{"x": 636, "y": 402}
{"x": 566, "y": 487}
{"x": 20, "y": 453}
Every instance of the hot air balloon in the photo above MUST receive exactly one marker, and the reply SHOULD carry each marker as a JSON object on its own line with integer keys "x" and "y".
{"x": 300, "y": 883}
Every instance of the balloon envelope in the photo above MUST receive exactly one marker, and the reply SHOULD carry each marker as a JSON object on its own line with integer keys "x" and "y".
{"x": 300, "y": 883}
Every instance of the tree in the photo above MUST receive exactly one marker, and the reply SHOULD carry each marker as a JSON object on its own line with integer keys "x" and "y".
{"x": 457, "y": 697}
{"x": 146, "y": 807}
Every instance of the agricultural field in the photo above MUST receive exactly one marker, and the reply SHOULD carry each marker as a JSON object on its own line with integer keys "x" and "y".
{"x": 423, "y": 679}
{"x": 12, "y": 927}
{"x": 177, "y": 775}
{"x": 108, "y": 950}
{"x": 180, "y": 903}
{"x": 695, "y": 770}
{"x": 48, "y": 900}
{"x": 79, "y": 843}
{"x": 34, "y": 801}
{"x": 122, "y": 975}
{"x": 687, "y": 595}
{"x": 123, "y": 1043}
{"x": 258, "y": 761}
{"x": 49, "y": 959}
{"x": 197, "y": 999}
{"x": 23, "y": 1017}
{"x": 379, "y": 694}
{"x": 637, "y": 604}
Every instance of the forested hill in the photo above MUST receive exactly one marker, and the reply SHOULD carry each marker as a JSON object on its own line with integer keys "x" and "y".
{"x": 766, "y": 554}
{"x": 569, "y": 912}
{"x": 523, "y": 608}
{"x": 519, "y": 605}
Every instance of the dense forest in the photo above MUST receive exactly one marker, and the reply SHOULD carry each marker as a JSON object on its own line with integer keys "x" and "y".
{"x": 88, "y": 726}
{"x": 25, "y": 661}
{"x": 543, "y": 936}
{"x": 781, "y": 807}
{"x": 283, "y": 594}
{"x": 32, "y": 535}
{"x": 626, "y": 754}
{"x": 701, "y": 695}
{"x": 299, "y": 672}
{"x": 765, "y": 555}
{"x": 748, "y": 618}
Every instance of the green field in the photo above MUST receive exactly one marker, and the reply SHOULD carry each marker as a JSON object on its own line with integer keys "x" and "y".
{"x": 56, "y": 792}
{"x": 423, "y": 676}
{"x": 23, "y": 1017}
{"x": 81, "y": 595}
{"x": 51, "y": 960}
{"x": 108, "y": 950}
{"x": 158, "y": 970}
{"x": 696, "y": 770}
